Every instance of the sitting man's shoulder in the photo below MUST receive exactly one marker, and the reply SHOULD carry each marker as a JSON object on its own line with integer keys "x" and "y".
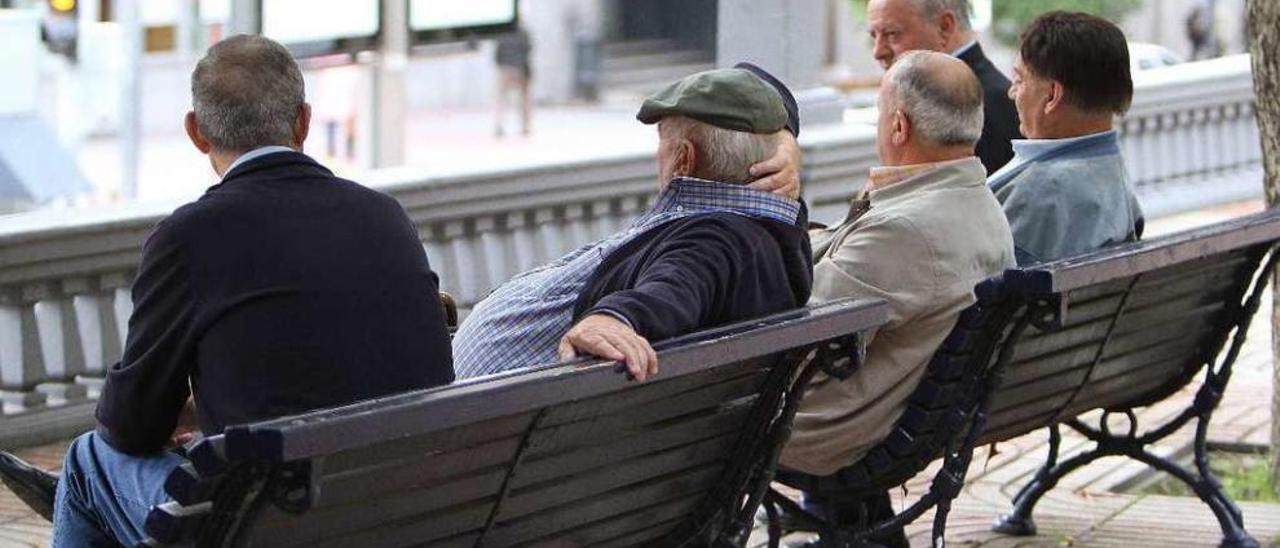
{"x": 727, "y": 227}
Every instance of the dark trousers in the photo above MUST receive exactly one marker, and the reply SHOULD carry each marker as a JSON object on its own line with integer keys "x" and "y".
{"x": 856, "y": 512}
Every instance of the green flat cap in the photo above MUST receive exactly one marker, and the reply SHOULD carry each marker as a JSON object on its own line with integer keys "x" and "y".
{"x": 732, "y": 99}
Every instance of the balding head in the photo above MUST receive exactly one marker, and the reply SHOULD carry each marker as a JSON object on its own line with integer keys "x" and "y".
{"x": 929, "y": 101}
{"x": 247, "y": 92}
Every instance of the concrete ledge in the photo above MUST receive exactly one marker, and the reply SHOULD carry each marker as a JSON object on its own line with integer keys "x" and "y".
{"x": 46, "y": 426}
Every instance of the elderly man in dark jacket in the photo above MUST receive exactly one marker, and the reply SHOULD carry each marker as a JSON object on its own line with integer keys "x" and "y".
{"x": 899, "y": 26}
{"x": 709, "y": 252}
{"x": 282, "y": 289}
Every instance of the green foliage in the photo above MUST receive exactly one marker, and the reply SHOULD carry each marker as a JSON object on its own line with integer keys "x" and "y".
{"x": 1245, "y": 477}
{"x": 1010, "y": 17}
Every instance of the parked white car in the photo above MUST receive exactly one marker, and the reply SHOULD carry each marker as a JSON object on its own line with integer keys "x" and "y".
{"x": 1143, "y": 56}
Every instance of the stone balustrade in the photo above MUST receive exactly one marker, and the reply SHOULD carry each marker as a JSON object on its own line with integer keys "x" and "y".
{"x": 1190, "y": 139}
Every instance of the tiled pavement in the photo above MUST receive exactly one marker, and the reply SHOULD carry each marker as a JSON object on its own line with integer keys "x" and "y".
{"x": 1087, "y": 509}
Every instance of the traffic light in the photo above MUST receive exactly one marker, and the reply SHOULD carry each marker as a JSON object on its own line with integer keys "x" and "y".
{"x": 61, "y": 27}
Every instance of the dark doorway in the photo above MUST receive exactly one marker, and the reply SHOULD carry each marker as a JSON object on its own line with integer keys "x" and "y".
{"x": 689, "y": 24}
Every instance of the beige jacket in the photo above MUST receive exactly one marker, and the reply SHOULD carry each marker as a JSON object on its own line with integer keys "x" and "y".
{"x": 923, "y": 245}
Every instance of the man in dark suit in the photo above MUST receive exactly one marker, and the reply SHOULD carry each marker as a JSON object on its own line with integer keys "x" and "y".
{"x": 899, "y": 26}
{"x": 282, "y": 289}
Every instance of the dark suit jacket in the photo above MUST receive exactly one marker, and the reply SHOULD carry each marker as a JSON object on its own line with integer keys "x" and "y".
{"x": 282, "y": 289}
{"x": 1000, "y": 117}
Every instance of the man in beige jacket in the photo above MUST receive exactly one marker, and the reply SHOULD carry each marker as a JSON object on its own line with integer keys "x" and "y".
{"x": 924, "y": 232}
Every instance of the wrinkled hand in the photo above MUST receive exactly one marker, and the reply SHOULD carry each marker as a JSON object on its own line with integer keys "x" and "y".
{"x": 606, "y": 337}
{"x": 781, "y": 173}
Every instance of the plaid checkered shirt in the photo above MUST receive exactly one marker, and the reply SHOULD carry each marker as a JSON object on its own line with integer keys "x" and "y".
{"x": 521, "y": 322}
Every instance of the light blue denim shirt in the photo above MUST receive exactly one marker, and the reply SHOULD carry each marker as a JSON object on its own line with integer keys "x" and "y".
{"x": 1064, "y": 197}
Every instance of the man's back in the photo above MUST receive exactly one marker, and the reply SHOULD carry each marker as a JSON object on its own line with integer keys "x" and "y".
{"x": 922, "y": 246}
{"x": 282, "y": 289}
{"x": 1070, "y": 199}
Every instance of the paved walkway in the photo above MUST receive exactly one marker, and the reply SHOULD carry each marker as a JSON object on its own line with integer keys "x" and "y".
{"x": 1088, "y": 509}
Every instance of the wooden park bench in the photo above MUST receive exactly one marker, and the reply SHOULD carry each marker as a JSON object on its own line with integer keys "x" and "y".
{"x": 564, "y": 454}
{"x": 1114, "y": 330}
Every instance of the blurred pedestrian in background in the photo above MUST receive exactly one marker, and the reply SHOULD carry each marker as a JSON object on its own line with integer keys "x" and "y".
{"x": 514, "y": 74}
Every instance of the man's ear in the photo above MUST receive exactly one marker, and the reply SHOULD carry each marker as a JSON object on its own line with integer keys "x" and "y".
{"x": 901, "y": 128}
{"x": 193, "y": 133}
{"x": 686, "y": 157}
{"x": 1057, "y": 97}
{"x": 302, "y": 126}
{"x": 947, "y": 25}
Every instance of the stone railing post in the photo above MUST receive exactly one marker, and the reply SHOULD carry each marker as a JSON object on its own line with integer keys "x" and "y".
{"x": 21, "y": 362}
{"x": 59, "y": 335}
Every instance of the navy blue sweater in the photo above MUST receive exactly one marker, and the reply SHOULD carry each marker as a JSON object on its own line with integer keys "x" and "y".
{"x": 702, "y": 271}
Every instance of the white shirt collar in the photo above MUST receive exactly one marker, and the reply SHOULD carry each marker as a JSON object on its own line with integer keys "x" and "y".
{"x": 966, "y": 47}
{"x": 256, "y": 153}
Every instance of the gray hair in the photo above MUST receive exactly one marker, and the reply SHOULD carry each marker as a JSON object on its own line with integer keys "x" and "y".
{"x": 944, "y": 106}
{"x": 247, "y": 93}
{"x": 930, "y": 9}
{"x": 724, "y": 155}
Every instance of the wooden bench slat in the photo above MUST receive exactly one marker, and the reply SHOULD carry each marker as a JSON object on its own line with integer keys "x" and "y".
{"x": 690, "y": 429}
{"x": 1081, "y": 358}
{"x": 626, "y": 422}
{"x": 1150, "y": 255}
{"x": 687, "y": 484}
{"x": 1150, "y": 361}
{"x": 646, "y": 536}
{"x": 340, "y": 491}
{"x": 1078, "y": 346}
{"x": 367, "y": 528}
{"x": 585, "y": 485}
{"x": 444, "y": 441}
{"x": 657, "y": 390}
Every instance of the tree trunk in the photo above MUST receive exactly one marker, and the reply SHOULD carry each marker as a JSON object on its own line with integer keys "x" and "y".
{"x": 1264, "y": 45}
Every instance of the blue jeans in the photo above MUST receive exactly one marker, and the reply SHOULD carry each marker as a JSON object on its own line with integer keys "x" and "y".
{"x": 104, "y": 495}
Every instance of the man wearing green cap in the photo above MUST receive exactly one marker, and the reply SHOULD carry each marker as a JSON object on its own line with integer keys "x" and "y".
{"x": 710, "y": 251}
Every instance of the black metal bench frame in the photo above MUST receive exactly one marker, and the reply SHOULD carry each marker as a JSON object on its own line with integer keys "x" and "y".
{"x": 219, "y": 494}
{"x": 960, "y": 383}
{"x": 1133, "y": 444}
{"x": 1006, "y": 306}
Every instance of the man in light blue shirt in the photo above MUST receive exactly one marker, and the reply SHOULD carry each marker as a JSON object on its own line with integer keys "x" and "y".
{"x": 1066, "y": 191}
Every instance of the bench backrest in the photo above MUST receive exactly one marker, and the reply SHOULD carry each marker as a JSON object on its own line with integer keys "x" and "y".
{"x": 1122, "y": 327}
{"x": 1128, "y": 326}
{"x": 565, "y": 454}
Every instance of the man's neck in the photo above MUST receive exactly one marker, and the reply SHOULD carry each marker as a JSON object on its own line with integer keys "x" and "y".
{"x": 958, "y": 41}
{"x": 929, "y": 155}
{"x": 222, "y": 160}
{"x": 1077, "y": 126}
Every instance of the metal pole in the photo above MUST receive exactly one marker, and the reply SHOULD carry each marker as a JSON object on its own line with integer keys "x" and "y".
{"x": 130, "y": 21}
{"x": 244, "y": 17}
{"x": 388, "y": 109}
{"x": 189, "y": 27}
